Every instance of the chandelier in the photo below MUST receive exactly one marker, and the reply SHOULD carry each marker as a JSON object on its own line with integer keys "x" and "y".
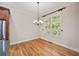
{"x": 38, "y": 21}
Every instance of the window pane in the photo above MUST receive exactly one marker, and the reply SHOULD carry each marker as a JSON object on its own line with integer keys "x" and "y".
{"x": 47, "y": 25}
{"x": 58, "y": 25}
{"x": 55, "y": 25}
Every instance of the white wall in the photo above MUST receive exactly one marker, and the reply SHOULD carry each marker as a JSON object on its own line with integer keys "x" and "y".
{"x": 70, "y": 36}
{"x": 21, "y": 25}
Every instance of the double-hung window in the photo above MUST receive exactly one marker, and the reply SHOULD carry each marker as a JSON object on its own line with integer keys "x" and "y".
{"x": 52, "y": 25}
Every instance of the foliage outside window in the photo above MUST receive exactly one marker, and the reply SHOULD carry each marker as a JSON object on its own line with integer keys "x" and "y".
{"x": 47, "y": 25}
{"x": 52, "y": 25}
{"x": 55, "y": 28}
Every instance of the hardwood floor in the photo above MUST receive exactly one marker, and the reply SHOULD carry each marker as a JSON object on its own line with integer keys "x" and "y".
{"x": 40, "y": 47}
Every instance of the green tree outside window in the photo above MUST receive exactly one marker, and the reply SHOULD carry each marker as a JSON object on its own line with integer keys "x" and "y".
{"x": 55, "y": 25}
{"x": 52, "y": 25}
{"x": 47, "y": 24}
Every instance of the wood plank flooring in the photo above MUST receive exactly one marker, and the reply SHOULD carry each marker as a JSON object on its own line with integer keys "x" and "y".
{"x": 40, "y": 47}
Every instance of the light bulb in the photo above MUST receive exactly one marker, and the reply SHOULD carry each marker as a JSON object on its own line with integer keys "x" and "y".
{"x": 40, "y": 21}
{"x": 35, "y": 21}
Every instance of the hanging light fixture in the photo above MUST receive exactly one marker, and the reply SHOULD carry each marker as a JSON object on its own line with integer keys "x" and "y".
{"x": 38, "y": 21}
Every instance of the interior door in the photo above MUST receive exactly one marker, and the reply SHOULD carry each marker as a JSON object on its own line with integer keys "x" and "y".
{"x": 5, "y": 14}
{"x": 4, "y": 30}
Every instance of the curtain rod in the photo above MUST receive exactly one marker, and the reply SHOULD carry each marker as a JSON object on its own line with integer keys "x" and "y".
{"x": 54, "y": 11}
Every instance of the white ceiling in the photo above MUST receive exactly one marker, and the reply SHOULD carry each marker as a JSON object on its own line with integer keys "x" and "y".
{"x": 31, "y": 7}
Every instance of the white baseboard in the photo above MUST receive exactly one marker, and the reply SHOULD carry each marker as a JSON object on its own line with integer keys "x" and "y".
{"x": 62, "y": 45}
{"x": 23, "y": 41}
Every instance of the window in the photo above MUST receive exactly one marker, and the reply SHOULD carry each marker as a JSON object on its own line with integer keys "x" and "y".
{"x": 47, "y": 24}
{"x": 55, "y": 28}
{"x": 52, "y": 25}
